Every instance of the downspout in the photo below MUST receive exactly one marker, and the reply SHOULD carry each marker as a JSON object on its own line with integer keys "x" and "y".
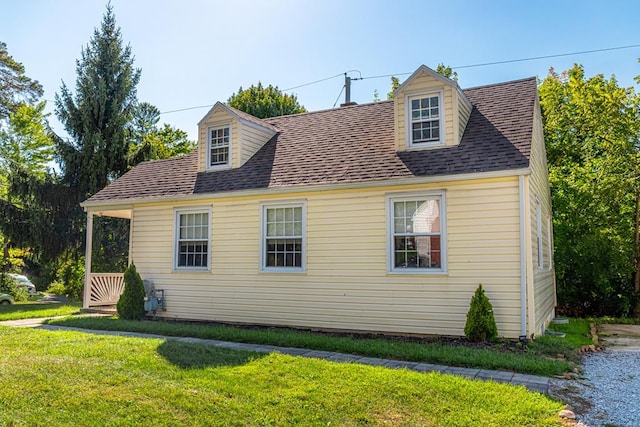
{"x": 523, "y": 261}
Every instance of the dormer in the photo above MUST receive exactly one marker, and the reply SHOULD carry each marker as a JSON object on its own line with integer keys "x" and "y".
{"x": 430, "y": 111}
{"x": 227, "y": 138}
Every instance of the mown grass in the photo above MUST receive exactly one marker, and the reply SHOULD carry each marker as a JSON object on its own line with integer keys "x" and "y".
{"x": 73, "y": 378}
{"x": 616, "y": 320}
{"x": 529, "y": 361}
{"x": 33, "y": 310}
{"x": 577, "y": 333}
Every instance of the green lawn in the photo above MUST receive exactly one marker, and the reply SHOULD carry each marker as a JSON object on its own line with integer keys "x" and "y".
{"x": 534, "y": 360}
{"x": 73, "y": 378}
{"x": 32, "y": 310}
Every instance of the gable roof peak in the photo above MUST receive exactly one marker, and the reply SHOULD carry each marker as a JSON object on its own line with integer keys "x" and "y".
{"x": 423, "y": 69}
{"x": 238, "y": 115}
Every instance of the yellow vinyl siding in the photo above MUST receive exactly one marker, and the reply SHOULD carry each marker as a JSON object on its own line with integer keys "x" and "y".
{"x": 252, "y": 139}
{"x": 464, "y": 111}
{"x": 543, "y": 280}
{"x": 347, "y": 284}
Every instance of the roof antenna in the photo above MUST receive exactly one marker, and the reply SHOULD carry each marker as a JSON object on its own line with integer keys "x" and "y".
{"x": 347, "y": 87}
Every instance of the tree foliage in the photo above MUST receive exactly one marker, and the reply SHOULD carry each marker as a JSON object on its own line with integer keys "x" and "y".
{"x": 591, "y": 129}
{"x": 150, "y": 142}
{"x": 264, "y": 102}
{"x": 395, "y": 84}
{"x": 15, "y": 87}
{"x": 447, "y": 71}
{"x": 97, "y": 115}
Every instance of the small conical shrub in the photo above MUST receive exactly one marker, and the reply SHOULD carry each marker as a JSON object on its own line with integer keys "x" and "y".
{"x": 481, "y": 325}
{"x": 131, "y": 303}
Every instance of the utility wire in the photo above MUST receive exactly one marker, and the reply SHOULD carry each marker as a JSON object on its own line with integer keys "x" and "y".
{"x": 339, "y": 95}
{"x": 533, "y": 58}
{"x": 484, "y": 64}
{"x": 314, "y": 82}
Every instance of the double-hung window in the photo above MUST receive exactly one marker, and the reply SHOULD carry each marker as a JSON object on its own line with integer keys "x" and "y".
{"x": 425, "y": 120}
{"x": 283, "y": 237}
{"x": 539, "y": 235}
{"x": 192, "y": 239}
{"x": 417, "y": 233}
{"x": 219, "y": 147}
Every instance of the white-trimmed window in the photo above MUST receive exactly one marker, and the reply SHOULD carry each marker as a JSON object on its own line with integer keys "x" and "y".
{"x": 218, "y": 146}
{"x": 417, "y": 233}
{"x": 425, "y": 119}
{"x": 283, "y": 237}
{"x": 550, "y": 241}
{"x": 192, "y": 239}
{"x": 539, "y": 235}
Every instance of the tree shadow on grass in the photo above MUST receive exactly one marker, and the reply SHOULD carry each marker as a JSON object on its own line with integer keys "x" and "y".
{"x": 197, "y": 356}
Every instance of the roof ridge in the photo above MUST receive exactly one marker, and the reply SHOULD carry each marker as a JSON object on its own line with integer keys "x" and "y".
{"x": 501, "y": 83}
{"x": 328, "y": 110}
{"x": 170, "y": 159}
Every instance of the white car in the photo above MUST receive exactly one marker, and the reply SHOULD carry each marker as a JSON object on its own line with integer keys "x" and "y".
{"x": 24, "y": 282}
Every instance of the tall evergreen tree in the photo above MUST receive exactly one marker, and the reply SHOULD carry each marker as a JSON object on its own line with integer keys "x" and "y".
{"x": 97, "y": 115}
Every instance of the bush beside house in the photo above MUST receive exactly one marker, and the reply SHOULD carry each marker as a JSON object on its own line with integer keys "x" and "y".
{"x": 131, "y": 303}
{"x": 481, "y": 324}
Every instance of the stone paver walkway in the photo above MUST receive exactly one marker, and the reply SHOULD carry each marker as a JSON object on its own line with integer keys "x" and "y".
{"x": 531, "y": 382}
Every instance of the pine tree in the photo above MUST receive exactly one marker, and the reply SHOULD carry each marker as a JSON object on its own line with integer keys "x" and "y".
{"x": 97, "y": 116}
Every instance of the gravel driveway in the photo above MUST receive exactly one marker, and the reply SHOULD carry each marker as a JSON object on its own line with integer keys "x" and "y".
{"x": 608, "y": 393}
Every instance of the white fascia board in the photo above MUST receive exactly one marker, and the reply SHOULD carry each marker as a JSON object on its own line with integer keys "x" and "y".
{"x": 99, "y": 205}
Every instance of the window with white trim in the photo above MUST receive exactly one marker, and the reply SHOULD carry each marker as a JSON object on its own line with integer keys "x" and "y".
{"x": 219, "y": 146}
{"x": 425, "y": 119}
{"x": 283, "y": 237}
{"x": 192, "y": 239}
{"x": 416, "y": 230}
{"x": 539, "y": 235}
{"x": 550, "y": 241}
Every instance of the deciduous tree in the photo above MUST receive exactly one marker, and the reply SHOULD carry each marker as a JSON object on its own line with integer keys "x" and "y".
{"x": 263, "y": 102}
{"x": 591, "y": 128}
{"x": 16, "y": 88}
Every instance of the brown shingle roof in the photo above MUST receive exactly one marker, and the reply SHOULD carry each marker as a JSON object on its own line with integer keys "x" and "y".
{"x": 351, "y": 144}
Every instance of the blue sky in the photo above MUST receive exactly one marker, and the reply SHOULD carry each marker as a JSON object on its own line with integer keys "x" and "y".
{"x": 194, "y": 53}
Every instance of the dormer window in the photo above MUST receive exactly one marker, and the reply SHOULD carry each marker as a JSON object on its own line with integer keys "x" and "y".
{"x": 219, "y": 147}
{"x": 425, "y": 120}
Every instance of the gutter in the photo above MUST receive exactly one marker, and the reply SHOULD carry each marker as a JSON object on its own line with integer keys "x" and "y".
{"x": 114, "y": 203}
{"x": 523, "y": 261}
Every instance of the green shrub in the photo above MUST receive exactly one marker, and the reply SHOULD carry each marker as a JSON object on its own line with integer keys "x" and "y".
{"x": 131, "y": 303}
{"x": 71, "y": 275}
{"x": 481, "y": 325}
{"x": 21, "y": 294}
{"x": 56, "y": 288}
{"x": 7, "y": 285}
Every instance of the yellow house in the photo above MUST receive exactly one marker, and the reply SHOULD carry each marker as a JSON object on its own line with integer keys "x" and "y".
{"x": 381, "y": 217}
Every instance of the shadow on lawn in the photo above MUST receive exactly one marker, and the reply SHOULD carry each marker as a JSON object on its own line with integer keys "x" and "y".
{"x": 197, "y": 356}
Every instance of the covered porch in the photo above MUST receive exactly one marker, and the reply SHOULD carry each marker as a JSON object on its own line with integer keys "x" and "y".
{"x": 102, "y": 290}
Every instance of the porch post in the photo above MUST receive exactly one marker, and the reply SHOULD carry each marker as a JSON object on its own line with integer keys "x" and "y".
{"x": 87, "y": 266}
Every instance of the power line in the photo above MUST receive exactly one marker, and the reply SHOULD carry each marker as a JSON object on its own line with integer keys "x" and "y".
{"x": 187, "y": 109}
{"x": 484, "y": 64}
{"x": 314, "y": 82}
{"x": 533, "y": 58}
{"x": 283, "y": 90}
